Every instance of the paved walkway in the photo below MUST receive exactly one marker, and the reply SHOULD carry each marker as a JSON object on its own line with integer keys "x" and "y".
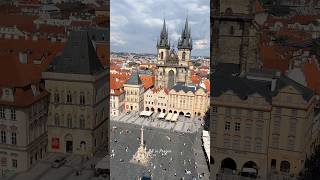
{"x": 184, "y": 124}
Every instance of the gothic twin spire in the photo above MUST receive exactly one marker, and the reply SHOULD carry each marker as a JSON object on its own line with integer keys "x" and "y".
{"x": 184, "y": 42}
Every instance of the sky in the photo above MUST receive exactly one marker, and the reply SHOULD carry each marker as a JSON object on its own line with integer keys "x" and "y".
{"x": 136, "y": 24}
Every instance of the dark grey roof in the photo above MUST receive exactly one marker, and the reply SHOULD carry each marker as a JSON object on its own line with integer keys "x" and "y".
{"x": 78, "y": 56}
{"x": 185, "y": 41}
{"x": 134, "y": 79}
{"x": 185, "y": 88}
{"x": 285, "y": 81}
{"x": 164, "y": 40}
{"x": 225, "y": 79}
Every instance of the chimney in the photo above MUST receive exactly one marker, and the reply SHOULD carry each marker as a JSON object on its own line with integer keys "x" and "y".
{"x": 23, "y": 57}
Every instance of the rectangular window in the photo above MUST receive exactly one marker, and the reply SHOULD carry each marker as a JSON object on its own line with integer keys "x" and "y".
{"x": 228, "y": 112}
{"x": 237, "y": 127}
{"x": 2, "y": 113}
{"x": 14, "y": 163}
{"x": 14, "y": 138}
{"x": 291, "y": 142}
{"x": 13, "y": 114}
{"x": 227, "y": 126}
{"x": 226, "y": 142}
{"x": 3, "y": 137}
{"x": 247, "y": 143}
{"x": 258, "y": 145}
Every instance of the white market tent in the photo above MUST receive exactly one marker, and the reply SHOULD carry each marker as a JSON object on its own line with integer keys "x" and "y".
{"x": 162, "y": 115}
{"x": 169, "y": 116}
{"x": 175, "y": 117}
{"x": 206, "y": 143}
{"x": 205, "y": 133}
{"x": 146, "y": 113}
{"x": 149, "y": 113}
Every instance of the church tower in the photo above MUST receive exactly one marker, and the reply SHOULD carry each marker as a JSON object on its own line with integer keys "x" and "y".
{"x": 234, "y": 35}
{"x": 163, "y": 45}
{"x": 185, "y": 45}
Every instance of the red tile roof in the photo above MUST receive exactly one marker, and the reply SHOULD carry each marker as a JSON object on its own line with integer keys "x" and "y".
{"x": 312, "y": 73}
{"x": 147, "y": 80}
{"x": 195, "y": 79}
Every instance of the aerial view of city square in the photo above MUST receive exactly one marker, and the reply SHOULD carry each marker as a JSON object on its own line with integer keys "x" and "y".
{"x": 54, "y": 89}
{"x": 159, "y": 89}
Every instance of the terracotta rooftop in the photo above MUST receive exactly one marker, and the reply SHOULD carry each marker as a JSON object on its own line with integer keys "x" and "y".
{"x": 311, "y": 72}
{"x": 147, "y": 81}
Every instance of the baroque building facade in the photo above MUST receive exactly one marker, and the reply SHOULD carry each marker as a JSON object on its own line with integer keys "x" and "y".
{"x": 23, "y": 114}
{"x": 78, "y": 112}
{"x": 260, "y": 119}
{"x": 262, "y": 124}
{"x": 174, "y": 92}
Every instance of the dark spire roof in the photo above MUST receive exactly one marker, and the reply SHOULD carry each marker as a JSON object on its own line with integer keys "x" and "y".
{"x": 134, "y": 79}
{"x": 78, "y": 56}
{"x": 185, "y": 41}
{"x": 164, "y": 40}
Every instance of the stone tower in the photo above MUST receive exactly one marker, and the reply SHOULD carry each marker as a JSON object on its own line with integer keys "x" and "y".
{"x": 163, "y": 44}
{"x": 185, "y": 45}
{"x": 234, "y": 36}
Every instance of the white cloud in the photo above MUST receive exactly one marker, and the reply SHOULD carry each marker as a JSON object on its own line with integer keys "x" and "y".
{"x": 117, "y": 39}
{"x": 153, "y": 22}
{"x": 201, "y": 44}
{"x": 136, "y": 24}
{"x": 117, "y": 21}
{"x": 194, "y": 7}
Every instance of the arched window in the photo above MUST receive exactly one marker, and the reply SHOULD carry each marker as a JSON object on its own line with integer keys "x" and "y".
{"x": 56, "y": 120}
{"x": 69, "y": 97}
{"x": 69, "y": 121}
{"x": 82, "y": 98}
{"x": 183, "y": 56}
{"x": 228, "y": 11}
{"x": 285, "y": 166}
{"x": 161, "y": 55}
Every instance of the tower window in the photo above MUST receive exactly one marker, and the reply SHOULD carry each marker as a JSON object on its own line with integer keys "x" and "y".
{"x": 228, "y": 11}
{"x": 183, "y": 56}
{"x": 161, "y": 55}
{"x": 231, "y": 30}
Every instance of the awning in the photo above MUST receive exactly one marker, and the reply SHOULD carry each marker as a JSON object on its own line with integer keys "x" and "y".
{"x": 143, "y": 113}
{"x": 161, "y": 115}
{"x": 146, "y": 113}
{"x": 205, "y": 133}
{"x": 249, "y": 170}
{"x": 169, "y": 116}
{"x": 175, "y": 117}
